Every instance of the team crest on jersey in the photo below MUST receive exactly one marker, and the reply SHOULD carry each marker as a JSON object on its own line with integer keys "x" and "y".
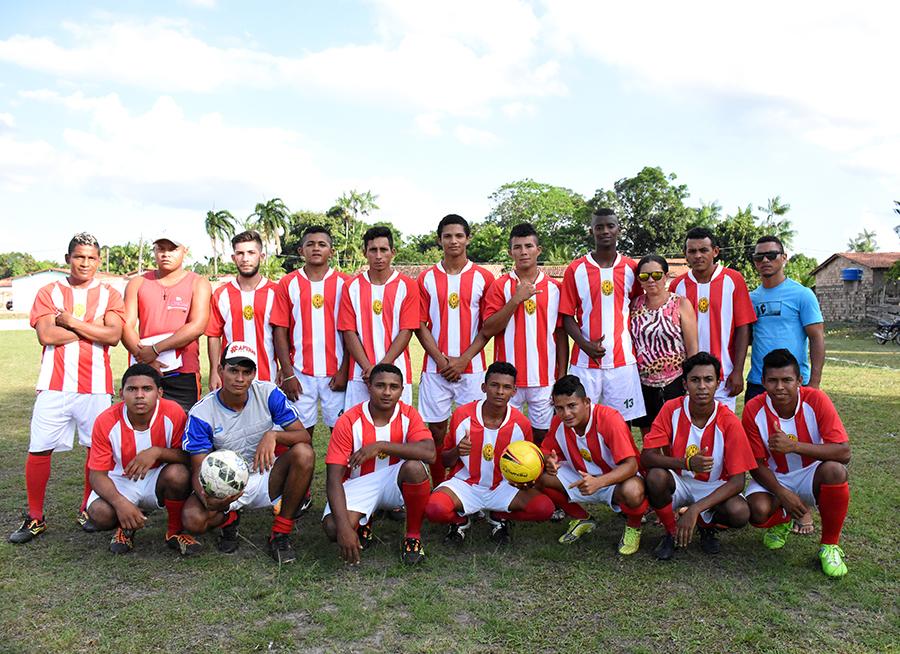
{"x": 606, "y": 287}
{"x": 318, "y": 301}
{"x": 78, "y": 311}
{"x": 703, "y": 305}
{"x": 793, "y": 437}
{"x": 453, "y": 300}
{"x": 377, "y": 307}
{"x": 382, "y": 455}
{"x": 530, "y": 306}
{"x": 248, "y": 312}
{"x": 691, "y": 450}
{"x": 487, "y": 452}
{"x": 586, "y": 455}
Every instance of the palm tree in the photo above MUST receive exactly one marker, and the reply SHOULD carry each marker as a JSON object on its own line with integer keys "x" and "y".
{"x": 219, "y": 227}
{"x": 775, "y": 223}
{"x": 271, "y": 220}
{"x": 347, "y": 209}
{"x": 864, "y": 242}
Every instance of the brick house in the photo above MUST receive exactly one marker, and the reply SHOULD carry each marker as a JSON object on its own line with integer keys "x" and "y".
{"x": 851, "y": 286}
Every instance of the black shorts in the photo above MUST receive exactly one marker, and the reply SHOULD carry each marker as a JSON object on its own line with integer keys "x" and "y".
{"x": 654, "y": 398}
{"x": 183, "y": 388}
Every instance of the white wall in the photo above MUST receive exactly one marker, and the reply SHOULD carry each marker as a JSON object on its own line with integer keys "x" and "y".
{"x": 24, "y": 289}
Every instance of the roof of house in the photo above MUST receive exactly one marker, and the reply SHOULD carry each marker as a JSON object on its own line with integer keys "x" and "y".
{"x": 873, "y": 260}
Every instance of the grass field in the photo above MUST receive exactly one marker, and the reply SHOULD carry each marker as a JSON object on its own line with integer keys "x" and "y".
{"x": 65, "y": 592}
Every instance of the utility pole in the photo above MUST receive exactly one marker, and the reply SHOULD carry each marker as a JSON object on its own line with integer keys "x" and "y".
{"x": 141, "y": 255}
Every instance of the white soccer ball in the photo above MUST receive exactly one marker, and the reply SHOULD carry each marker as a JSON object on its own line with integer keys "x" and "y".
{"x": 224, "y": 473}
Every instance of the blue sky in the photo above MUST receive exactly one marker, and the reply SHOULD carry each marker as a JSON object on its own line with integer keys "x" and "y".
{"x": 123, "y": 118}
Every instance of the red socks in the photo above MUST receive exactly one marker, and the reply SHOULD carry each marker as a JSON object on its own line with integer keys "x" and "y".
{"x": 415, "y": 496}
{"x": 230, "y": 517}
{"x": 561, "y": 500}
{"x": 440, "y": 509}
{"x": 87, "y": 480}
{"x": 539, "y": 508}
{"x": 834, "y": 499}
{"x": 778, "y": 517}
{"x": 633, "y": 517}
{"x": 173, "y": 510}
{"x": 37, "y": 474}
{"x": 667, "y": 517}
{"x": 281, "y": 525}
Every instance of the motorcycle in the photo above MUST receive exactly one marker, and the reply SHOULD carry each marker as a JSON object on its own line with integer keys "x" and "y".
{"x": 888, "y": 331}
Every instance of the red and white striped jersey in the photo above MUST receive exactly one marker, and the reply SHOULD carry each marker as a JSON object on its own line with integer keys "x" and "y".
{"x": 722, "y": 304}
{"x": 309, "y": 311}
{"x": 481, "y": 467}
{"x": 527, "y": 341}
{"x": 355, "y": 429}
{"x": 81, "y": 366}
{"x": 451, "y": 307}
{"x": 236, "y": 315}
{"x": 606, "y": 442}
{"x": 114, "y": 442}
{"x": 722, "y": 438}
{"x": 815, "y": 420}
{"x": 599, "y": 300}
{"x": 377, "y": 313}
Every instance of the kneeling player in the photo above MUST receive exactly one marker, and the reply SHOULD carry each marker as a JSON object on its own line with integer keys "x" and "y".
{"x": 137, "y": 463}
{"x": 696, "y": 454}
{"x": 485, "y": 427}
{"x": 241, "y": 416}
{"x": 377, "y": 458}
{"x": 590, "y": 457}
{"x": 802, "y": 447}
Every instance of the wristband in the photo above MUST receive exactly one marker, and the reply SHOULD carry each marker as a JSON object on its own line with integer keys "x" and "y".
{"x": 153, "y": 347}
{"x": 687, "y": 462}
{"x": 289, "y": 378}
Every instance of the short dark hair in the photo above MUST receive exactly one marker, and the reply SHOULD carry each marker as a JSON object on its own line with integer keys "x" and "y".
{"x": 701, "y": 359}
{"x": 604, "y": 212}
{"x": 83, "y": 238}
{"x": 771, "y": 239}
{"x": 381, "y": 368}
{"x": 700, "y": 233}
{"x": 568, "y": 385}
{"x": 248, "y": 236}
{"x": 379, "y": 231}
{"x": 523, "y": 230}
{"x": 142, "y": 370}
{"x": 316, "y": 229}
{"x": 655, "y": 258}
{"x": 780, "y": 358}
{"x": 500, "y": 368}
{"x": 453, "y": 219}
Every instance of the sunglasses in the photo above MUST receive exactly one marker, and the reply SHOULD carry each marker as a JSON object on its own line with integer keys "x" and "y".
{"x": 656, "y": 275}
{"x": 771, "y": 255}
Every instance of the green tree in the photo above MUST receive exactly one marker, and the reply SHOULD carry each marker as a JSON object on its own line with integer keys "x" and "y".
{"x": 489, "y": 244}
{"x": 292, "y": 241}
{"x": 863, "y": 242}
{"x": 271, "y": 219}
{"x": 124, "y": 259}
{"x": 800, "y": 267}
{"x": 737, "y": 235}
{"x": 708, "y": 214}
{"x": 422, "y": 248}
{"x": 775, "y": 224}
{"x": 13, "y": 264}
{"x": 220, "y": 228}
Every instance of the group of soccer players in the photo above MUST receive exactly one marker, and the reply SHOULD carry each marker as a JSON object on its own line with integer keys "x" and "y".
{"x": 322, "y": 340}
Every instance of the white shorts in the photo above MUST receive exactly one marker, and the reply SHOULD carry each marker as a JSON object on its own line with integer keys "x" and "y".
{"x": 569, "y": 475}
{"x": 56, "y": 416}
{"x": 619, "y": 388}
{"x": 256, "y": 493}
{"x": 140, "y": 492}
{"x": 799, "y": 482}
{"x": 316, "y": 391}
{"x": 358, "y": 392}
{"x": 376, "y": 490}
{"x": 723, "y": 397}
{"x": 688, "y": 491}
{"x": 481, "y": 498}
{"x": 540, "y": 405}
{"x": 437, "y": 395}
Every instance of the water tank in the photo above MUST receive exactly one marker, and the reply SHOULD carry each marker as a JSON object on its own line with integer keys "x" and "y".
{"x": 852, "y": 274}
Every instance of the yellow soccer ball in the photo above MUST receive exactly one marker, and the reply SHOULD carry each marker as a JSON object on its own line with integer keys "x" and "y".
{"x": 522, "y": 462}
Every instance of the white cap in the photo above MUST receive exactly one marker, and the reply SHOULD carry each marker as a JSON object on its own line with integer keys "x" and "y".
{"x": 164, "y": 236}
{"x": 239, "y": 351}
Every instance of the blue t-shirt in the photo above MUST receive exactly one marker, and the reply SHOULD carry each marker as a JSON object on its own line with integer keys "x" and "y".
{"x": 782, "y": 314}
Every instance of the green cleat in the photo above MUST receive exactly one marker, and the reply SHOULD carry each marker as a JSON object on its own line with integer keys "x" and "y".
{"x": 776, "y": 537}
{"x": 832, "y": 558}
{"x": 631, "y": 541}
{"x": 577, "y": 529}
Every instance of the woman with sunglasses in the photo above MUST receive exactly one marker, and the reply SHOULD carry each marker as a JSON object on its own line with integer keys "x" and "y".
{"x": 664, "y": 331}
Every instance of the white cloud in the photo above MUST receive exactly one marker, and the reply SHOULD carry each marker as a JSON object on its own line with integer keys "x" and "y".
{"x": 429, "y": 124}
{"x": 472, "y": 136}
{"x": 7, "y": 121}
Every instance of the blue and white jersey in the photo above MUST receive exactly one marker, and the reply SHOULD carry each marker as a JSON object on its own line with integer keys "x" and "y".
{"x": 213, "y": 426}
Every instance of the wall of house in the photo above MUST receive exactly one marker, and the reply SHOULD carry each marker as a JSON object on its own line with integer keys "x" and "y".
{"x": 843, "y": 301}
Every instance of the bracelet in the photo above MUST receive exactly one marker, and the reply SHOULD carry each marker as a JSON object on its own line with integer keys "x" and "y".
{"x": 687, "y": 462}
{"x": 289, "y": 378}
{"x": 153, "y": 347}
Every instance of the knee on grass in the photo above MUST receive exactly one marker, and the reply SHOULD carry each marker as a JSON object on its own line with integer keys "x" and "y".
{"x": 103, "y": 515}
{"x": 659, "y": 486}
{"x": 412, "y": 472}
{"x": 733, "y": 512}
{"x": 831, "y": 472}
{"x": 301, "y": 455}
{"x": 632, "y": 492}
{"x": 175, "y": 482}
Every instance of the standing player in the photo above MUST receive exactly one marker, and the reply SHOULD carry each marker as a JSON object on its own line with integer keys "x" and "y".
{"x": 521, "y": 311}
{"x": 137, "y": 463}
{"x": 169, "y": 307}
{"x": 241, "y": 416}
{"x": 590, "y": 457}
{"x": 802, "y": 449}
{"x": 696, "y": 454}
{"x": 242, "y": 309}
{"x": 452, "y": 293}
{"x": 724, "y": 312}
{"x": 485, "y": 427}
{"x": 77, "y": 319}
{"x": 377, "y": 459}
{"x": 309, "y": 347}
{"x": 596, "y": 292}
{"x": 379, "y": 312}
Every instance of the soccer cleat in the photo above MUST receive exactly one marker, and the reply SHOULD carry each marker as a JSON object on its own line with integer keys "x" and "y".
{"x": 577, "y": 529}
{"x": 630, "y": 542}
{"x": 665, "y": 550}
{"x": 30, "y": 528}
{"x": 412, "y": 551}
{"x": 280, "y": 549}
{"x": 186, "y": 544}
{"x": 832, "y": 558}
{"x": 397, "y": 514}
{"x": 709, "y": 540}
{"x": 776, "y": 537}
{"x": 365, "y": 535}
{"x": 304, "y": 506}
{"x": 500, "y": 531}
{"x": 456, "y": 534}
{"x": 86, "y": 523}
{"x": 558, "y": 515}
{"x": 122, "y": 541}
{"x": 228, "y": 540}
